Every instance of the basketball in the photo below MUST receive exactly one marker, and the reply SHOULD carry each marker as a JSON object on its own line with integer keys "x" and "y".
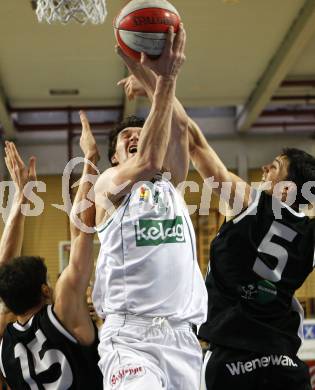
{"x": 141, "y": 26}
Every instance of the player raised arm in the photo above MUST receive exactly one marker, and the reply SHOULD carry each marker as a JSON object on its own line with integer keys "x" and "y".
{"x": 70, "y": 294}
{"x": 208, "y": 164}
{"x": 204, "y": 158}
{"x": 12, "y": 237}
{"x": 177, "y": 155}
{"x": 155, "y": 134}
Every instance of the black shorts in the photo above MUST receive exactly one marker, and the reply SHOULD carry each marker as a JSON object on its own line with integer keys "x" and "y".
{"x": 229, "y": 369}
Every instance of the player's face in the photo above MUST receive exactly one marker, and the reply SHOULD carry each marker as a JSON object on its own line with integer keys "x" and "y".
{"x": 127, "y": 144}
{"x": 276, "y": 171}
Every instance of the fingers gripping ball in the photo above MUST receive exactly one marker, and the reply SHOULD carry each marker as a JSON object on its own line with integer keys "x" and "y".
{"x": 141, "y": 26}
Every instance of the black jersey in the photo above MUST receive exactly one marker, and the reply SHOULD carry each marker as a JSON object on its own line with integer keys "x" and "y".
{"x": 42, "y": 354}
{"x": 258, "y": 260}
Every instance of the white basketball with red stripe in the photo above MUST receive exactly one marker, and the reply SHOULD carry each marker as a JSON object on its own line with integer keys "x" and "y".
{"x": 141, "y": 26}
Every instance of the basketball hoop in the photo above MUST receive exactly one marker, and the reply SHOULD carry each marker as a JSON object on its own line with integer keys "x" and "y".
{"x": 65, "y": 11}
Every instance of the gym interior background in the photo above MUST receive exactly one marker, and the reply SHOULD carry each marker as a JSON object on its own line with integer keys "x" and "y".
{"x": 249, "y": 82}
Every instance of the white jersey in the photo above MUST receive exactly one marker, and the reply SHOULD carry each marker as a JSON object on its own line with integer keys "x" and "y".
{"x": 147, "y": 263}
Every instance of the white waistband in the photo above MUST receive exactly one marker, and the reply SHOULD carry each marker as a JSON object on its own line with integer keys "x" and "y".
{"x": 120, "y": 320}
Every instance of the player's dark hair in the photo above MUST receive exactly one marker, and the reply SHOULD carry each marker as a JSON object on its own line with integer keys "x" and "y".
{"x": 301, "y": 170}
{"x": 21, "y": 281}
{"x": 130, "y": 121}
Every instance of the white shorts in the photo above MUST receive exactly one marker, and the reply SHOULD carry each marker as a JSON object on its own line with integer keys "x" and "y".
{"x": 149, "y": 354}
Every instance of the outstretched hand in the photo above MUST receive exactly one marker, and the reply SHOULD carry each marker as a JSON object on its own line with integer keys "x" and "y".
{"x": 87, "y": 140}
{"x": 19, "y": 172}
{"x": 172, "y": 58}
{"x": 168, "y": 63}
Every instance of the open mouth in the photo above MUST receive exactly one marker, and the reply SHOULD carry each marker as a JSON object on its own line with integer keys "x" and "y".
{"x": 133, "y": 149}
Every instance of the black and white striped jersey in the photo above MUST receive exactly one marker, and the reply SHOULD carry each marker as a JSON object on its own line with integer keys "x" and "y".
{"x": 257, "y": 262}
{"x": 42, "y": 354}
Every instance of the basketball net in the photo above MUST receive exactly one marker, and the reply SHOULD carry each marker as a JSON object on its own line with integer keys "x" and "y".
{"x": 65, "y": 11}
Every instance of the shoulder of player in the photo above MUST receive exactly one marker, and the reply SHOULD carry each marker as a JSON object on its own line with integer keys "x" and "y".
{"x": 276, "y": 205}
{"x": 105, "y": 181}
{"x": 106, "y": 175}
{"x": 107, "y": 188}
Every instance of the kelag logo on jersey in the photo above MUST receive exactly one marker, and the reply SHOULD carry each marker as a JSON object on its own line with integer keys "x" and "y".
{"x": 152, "y": 232}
